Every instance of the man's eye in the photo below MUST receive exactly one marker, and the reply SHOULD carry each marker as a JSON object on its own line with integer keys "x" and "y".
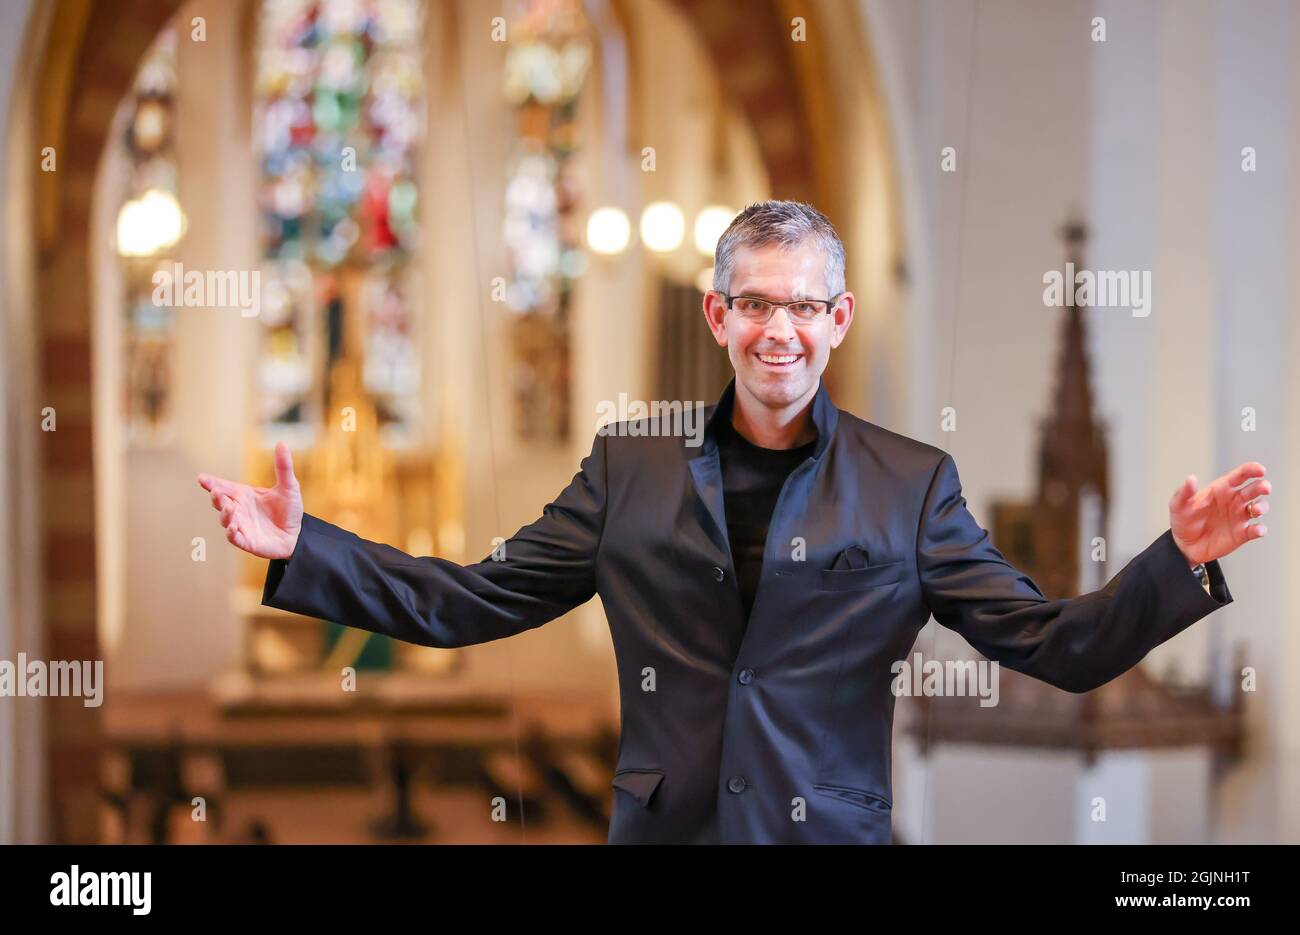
{"x": 806, "y": 309}
{"x": 748, "y": 305}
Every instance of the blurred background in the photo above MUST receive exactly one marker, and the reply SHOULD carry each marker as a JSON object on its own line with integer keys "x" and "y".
{"x": 474, "y": 221}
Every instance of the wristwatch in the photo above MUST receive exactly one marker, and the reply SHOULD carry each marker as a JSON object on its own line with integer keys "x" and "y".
{"x": 1202, "y": 576}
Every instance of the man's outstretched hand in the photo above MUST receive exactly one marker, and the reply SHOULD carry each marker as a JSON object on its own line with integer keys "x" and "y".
{"x": 264, "y": 521}
{"x": 1209, "y": 523}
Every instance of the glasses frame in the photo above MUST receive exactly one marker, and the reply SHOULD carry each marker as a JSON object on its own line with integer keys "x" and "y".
{"x": 831, "y": 305}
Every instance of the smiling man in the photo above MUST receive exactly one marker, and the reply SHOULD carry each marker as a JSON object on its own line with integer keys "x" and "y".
{"x": 759, "y": 587}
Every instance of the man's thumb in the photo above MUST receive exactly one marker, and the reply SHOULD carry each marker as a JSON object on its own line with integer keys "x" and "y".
{"x": 284, "y": 467}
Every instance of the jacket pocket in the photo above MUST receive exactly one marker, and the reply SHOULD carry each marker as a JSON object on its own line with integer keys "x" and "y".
{"x": 855, "y": 579}
{"x": 859, "y": 797}
{"x": 639, "y": 783}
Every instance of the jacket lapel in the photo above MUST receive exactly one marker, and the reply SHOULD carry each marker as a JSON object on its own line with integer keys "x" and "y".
{"x": 706, "y": 469}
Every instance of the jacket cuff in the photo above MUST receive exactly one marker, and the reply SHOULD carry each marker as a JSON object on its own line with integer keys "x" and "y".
{"x": 1218, "y": 584}
{"x": 1168, "y": 567}
{"x": 290, "y": 582}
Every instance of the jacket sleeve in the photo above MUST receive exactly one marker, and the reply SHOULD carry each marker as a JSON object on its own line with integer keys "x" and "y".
{"x": 1076, "y": 644}
{"x": 542, "y": 571}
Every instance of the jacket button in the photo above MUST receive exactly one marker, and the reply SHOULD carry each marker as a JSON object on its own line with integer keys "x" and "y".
{"x": 736, "y": 784}
{"x": 746, "y": 676}
{"x": 718, "y": 573}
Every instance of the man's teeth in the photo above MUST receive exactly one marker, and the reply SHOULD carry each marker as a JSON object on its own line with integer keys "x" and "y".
{"x": 778, "y": 358}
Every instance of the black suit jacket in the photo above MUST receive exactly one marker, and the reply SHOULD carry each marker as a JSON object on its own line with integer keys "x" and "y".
{"x": 778, "y": 731}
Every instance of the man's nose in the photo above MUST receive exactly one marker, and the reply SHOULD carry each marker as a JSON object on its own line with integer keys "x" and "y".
{"x": 779, "y": 326}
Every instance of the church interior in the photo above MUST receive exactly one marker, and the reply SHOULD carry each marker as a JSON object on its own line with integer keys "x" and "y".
{"x": 520, "y": 229}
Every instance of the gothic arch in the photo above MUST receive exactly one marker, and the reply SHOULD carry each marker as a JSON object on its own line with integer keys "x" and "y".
{"x": 86, "y": 64}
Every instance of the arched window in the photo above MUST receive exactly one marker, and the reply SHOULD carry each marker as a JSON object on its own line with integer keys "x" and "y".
{"x": 149, "y": 225}
{"x": 338, "y": 120}
{"x": 546, "y": 68}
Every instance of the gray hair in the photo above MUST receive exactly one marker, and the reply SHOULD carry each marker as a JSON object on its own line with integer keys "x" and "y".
{"x": 785, "y": 223}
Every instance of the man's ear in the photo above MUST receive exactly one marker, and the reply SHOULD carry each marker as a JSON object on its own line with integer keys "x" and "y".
{"x": 843, "y": 317}
{"x": 715, "y": 311}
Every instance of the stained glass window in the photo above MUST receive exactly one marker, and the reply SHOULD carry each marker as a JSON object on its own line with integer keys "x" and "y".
{"x": 546, "y": 67}
{"x": 149, "y": 224}
{"x": 339, "y": 117}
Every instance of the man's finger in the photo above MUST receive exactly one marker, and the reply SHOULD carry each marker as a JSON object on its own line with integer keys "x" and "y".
{"x": 1259, "y": 488}
{"x": 1244, "y": 472}
{"x": 284, "y": 467}
{"x": 1183, "y": 493}
{"x": 214, "y": 484}
{"x": 1256, "y": 490}
{"x": 217, "y": 485}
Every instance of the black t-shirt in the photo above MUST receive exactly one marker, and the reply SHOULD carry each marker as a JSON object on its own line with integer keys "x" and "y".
{"x": 752, "y": 478}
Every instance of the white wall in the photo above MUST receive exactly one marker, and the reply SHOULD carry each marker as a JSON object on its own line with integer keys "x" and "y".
{"x": 1143, "y": 133}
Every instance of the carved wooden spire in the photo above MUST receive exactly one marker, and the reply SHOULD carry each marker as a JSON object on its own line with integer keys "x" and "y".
{"x": 1073, "y": 489}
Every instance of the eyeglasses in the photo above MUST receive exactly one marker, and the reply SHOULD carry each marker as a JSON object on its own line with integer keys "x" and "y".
{"x": 759, "y": 311}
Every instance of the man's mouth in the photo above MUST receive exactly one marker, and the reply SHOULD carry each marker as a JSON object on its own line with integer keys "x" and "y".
{"x": 779, "y": 360}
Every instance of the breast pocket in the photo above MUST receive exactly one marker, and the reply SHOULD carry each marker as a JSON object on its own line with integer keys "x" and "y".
{"x": 858, "y": 579}
{"x": 640, "y": 784}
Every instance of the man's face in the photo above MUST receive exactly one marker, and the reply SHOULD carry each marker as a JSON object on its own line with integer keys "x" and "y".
{"x": 760, "y": 353}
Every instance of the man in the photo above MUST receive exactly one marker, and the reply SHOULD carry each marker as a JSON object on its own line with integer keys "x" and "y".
{"x": 759, "y": 586}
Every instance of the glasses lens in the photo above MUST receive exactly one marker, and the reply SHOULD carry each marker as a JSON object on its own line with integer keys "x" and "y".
{"x": 752, "y": 308}
{"x": 806, "y": 311}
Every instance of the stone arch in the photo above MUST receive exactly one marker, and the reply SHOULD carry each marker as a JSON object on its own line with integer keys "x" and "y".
{"x": 88, "y": 58}
{"x": 776, "y": 88}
